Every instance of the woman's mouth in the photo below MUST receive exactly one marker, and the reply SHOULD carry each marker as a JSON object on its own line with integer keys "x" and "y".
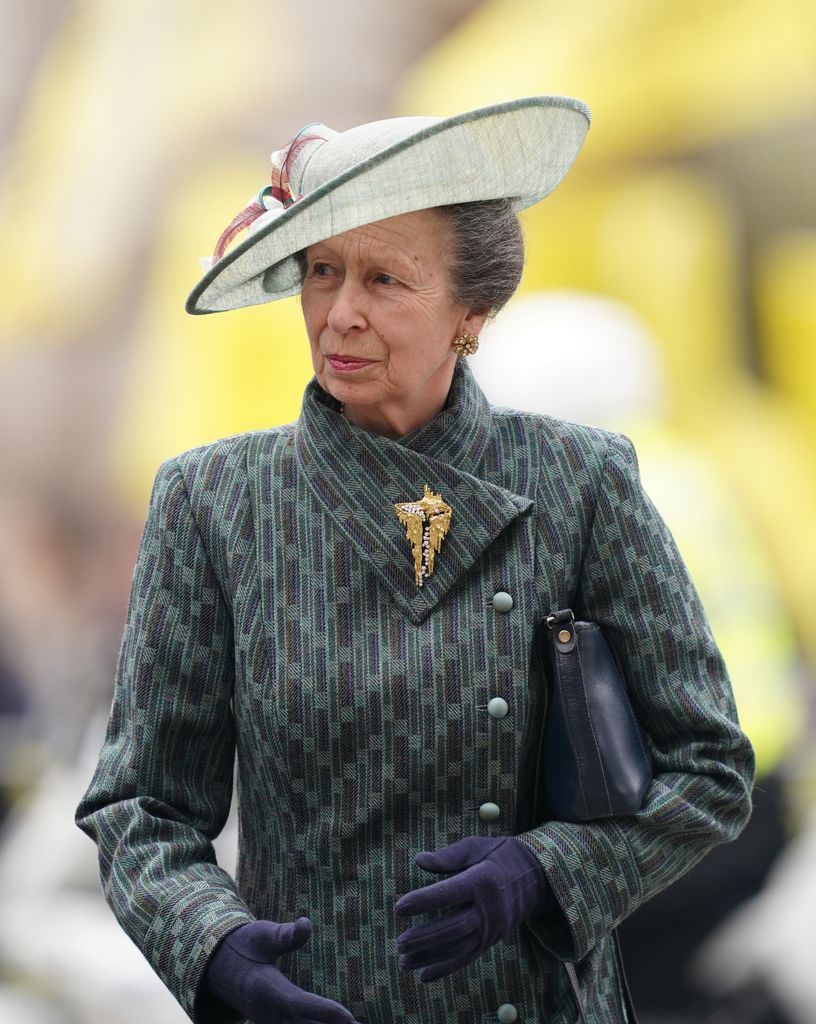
{"x": 345, "y": 364}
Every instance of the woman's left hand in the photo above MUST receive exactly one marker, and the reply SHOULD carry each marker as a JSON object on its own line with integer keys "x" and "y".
{"x": 499, "y": 883}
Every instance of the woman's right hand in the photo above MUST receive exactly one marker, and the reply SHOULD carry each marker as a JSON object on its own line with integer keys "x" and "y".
{"x": 243, "y": 974}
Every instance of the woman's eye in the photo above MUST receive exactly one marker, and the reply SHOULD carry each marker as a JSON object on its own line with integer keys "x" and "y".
{"x": 386, "y": 279}
{"x": 321, "y": 269}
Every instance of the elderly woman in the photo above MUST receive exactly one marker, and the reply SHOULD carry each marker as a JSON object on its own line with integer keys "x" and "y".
{"x": 348, "y": 603}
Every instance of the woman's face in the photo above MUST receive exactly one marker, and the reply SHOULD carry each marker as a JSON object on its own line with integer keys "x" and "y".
{"x": 380, "y": 317}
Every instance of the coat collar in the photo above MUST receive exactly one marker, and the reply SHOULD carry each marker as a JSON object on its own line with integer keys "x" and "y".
{"x": 357, "y": 477}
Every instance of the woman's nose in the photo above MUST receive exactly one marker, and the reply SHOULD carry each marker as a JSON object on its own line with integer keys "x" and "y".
{"x": 347, "y": 310}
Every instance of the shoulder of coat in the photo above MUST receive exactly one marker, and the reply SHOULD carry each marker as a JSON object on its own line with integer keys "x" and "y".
{"x": 556, "y": 437}
{"x": 230, "y": 454}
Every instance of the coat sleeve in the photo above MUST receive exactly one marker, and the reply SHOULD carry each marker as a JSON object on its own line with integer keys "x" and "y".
{"x": 163, "y": 785}
{"x": 635, "y": 584}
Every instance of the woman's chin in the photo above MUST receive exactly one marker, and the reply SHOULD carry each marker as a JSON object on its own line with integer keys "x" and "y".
{"x": 346, "y": 391}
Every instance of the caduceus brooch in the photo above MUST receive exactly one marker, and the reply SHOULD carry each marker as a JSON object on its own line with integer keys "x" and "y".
{"x": 426, "y": 522}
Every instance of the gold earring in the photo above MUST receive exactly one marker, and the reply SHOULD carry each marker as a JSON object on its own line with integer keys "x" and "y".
{"x": 466, "y": 344}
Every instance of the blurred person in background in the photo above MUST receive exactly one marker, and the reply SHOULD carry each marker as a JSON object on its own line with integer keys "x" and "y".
{"x": 14, "y": 709}
{"x": 348, "y": 603}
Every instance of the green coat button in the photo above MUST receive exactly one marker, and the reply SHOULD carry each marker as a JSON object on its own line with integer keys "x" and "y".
{"x": 489, "y": 812}
{"x": 502, "y": 601}
{"x": 497, "y": 707}
{"x": 506, "y": 1013}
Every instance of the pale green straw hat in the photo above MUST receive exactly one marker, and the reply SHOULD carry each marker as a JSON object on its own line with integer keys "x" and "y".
{"x": 326, "y": 182}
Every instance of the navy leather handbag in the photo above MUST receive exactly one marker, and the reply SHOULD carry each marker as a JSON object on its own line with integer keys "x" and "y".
{"x": 593, "y": 761}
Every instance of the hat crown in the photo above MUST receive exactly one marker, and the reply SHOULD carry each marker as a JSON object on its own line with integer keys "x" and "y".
{"x": 345, "y": 150}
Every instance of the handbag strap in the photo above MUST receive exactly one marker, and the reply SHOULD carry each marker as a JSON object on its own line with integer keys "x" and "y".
{"x": 576, "y": 991}
{"x": 579, "y": 727}
{"x": 625, "y": 994}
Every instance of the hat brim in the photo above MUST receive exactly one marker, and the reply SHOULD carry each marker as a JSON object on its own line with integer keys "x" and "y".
{"x": 518, "y": 150}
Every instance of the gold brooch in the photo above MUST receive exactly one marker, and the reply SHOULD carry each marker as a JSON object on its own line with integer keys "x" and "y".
{"x": 426, "y": 522}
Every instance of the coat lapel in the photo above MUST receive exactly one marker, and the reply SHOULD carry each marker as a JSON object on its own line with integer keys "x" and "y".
{"x": 358, "y": 477}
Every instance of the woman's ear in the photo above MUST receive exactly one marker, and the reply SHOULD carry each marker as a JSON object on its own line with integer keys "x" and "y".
{"x": 474, "y": 322}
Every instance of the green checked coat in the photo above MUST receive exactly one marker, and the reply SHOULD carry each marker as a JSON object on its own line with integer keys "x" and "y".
{"x": 274, "y": 613}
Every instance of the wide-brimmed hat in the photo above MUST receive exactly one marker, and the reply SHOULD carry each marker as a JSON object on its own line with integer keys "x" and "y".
{"x": 326, "y": 182}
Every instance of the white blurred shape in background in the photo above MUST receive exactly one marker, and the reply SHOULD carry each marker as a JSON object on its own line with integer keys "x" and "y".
{"x": 572, "y": 355}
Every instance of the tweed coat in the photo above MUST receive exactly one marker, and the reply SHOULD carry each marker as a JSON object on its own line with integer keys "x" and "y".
{"x": 274, "y": 612}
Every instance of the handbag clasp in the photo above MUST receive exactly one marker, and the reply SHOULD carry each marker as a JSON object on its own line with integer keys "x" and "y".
{"x": 563, "y": 615}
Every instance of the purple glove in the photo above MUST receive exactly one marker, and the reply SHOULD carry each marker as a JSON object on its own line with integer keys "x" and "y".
{"x": 499, "y": 884}
{"x": 242, "y": 973}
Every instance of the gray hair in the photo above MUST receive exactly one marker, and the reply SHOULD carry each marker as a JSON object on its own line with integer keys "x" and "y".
{"x": 487, "y": 254}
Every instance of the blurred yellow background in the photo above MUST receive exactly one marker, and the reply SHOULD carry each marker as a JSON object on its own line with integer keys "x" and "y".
{"x": 134, "y": 130}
